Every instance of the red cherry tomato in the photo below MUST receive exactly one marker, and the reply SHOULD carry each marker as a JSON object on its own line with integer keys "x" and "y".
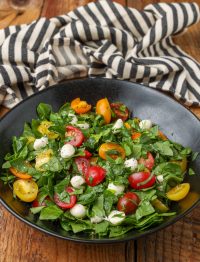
{"x": 66, "y": 205}
{"x": 147, "y": 162}
{"x": 87, "y": 154}
{"x": 95, "y": 175}
{"x": 120, "y": 111}
{"x": 141, "y": 180}
{"x": 128, "y": 203}
{"x": 82, "y": 164}
{"x": 76, "y": 136}
{"x": 36, "y": 203}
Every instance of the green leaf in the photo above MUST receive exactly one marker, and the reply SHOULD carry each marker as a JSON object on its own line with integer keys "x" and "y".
{"x": 136, "y": 150}
{"x": 44, "y": 111}
{"x": 53, "y": 165}
{"x": 35, "y": 210}
{"x": 50, "y": 213}
{"x": 145, "y": 208}
{"x": 98, "y": 207}
{"x": 79, "y": 227}
{"x": 164, "y": 148}
{"x": 191, "y": 172}
{"x": 194, "y": 155}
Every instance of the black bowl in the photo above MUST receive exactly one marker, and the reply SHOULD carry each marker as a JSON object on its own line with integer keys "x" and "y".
{"x": 176, "y": 121}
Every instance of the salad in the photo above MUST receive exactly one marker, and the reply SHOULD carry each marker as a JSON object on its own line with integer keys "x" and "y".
{"x": 97, "y": 170}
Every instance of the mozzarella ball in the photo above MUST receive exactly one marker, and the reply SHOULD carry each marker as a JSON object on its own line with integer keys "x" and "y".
{"x": 96, "y": 219}
{"x": 118, "y": 124}
{"x": 83, "y": 125}
{"x": 116, "y": 217}
{"x": 40, "y": 143}
{"x": 67, "y": 151}
{"x": 78, "y": 211}
{"x": 74, "y": 119}
{"x": 160, "y": 178}
{"x": 116, "y": 189}
{"x": 77, "y": 181}
{"x": 132, "y": 163}
{"x": 145, "y": 124}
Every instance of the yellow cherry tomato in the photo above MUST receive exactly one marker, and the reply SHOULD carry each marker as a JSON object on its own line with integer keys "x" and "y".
{"x": 103, "y": 109}
{"x": 160, "y": 206}
{"x": 118, "y": 151}
{"x": 43, "y": 158}
{"x": 43, "y": 128}
{"x": 79, "y": 106}
{"x": 127, "y": 125}
{"x": 26, "y": 190}
{"x": 178, "y": 192}
{"x": 19, "y": 174}
{"x": 182, "y": 163}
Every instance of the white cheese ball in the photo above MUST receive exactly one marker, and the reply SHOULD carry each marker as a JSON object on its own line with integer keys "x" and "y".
{"x": 116, "y": 189}
{"x": 116, "y": 217}
{"x": 132, "y": 163}
{"x": 77, "y": 181}
{"x": 40, "y": 143}
{"x": 160, "y": 178}
{"x": 145, "y": 124}
{"x": 83, "y": 125}
{"x": 118, "y": 124}
{"x": 74, "y": 119}
{"x": 67, "y": 151}
{"x": 78, "y": 211}
{"x": 96, "y": 219}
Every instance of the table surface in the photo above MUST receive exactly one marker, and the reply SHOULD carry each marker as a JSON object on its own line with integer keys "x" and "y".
{"x": 19, "y": 242}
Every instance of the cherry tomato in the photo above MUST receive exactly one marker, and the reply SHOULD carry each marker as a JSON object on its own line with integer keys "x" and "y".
{"x": 43, "y": 128}
{"x": 82, "y": 164}
{"x": 128, "y": 203}
{"x": 147, "y": 162}
{"x": 75, "y": 135}
{"x": 36, "y": 203}
{"x": 66, "y": 205}
{"x": 103, "y": 108}
{"x": 19, "y": 174}
{"x": 93, "y": 160}
{"x": 135, "y": 135}
{"x": 120, "y": 111}
{"x": 160, "y": 206}
{"x": 95, "y": 175}
{"x": 79, "y": 106}
{"x": 127, "y": 125}
{"x": 26, "y": 190}
{"x": 141, "y": 180}
{"x": 178, "y": 192}
{"x": 87, "y": 154}
{"x": 112, "y": 150}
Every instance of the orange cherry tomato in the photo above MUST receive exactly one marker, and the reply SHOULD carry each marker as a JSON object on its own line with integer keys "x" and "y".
{"x": 162, "y": 136}
{"x": 136, "y": 135}
{"x": 112, "y": 150}
{"x": 103, "y": 108}
{"x": 19, "y": 174}
{"x": 79, "y": 106}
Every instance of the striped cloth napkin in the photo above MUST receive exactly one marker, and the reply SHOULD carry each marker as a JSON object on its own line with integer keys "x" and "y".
{"x": 101, "y": 39}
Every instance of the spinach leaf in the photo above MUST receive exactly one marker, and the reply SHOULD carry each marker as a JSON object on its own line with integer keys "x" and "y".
{"x": 164, "y": 148}
{"x": 44, "y": 111}
{"x": 145, "y": 208}
{"x": 50, "y": 213}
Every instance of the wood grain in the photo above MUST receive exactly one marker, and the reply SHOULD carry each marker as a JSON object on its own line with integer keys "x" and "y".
{"x": 20, "y": 243}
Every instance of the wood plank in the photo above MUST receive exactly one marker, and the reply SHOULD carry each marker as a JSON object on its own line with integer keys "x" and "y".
{"x": 24, "y": 244}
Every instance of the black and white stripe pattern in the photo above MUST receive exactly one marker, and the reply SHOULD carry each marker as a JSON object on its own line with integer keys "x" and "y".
{"x": 102, "y": 39}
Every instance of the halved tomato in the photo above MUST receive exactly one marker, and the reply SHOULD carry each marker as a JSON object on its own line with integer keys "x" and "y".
{"x": 112, "y": 150}
{"x": 19, "y": 174}
{"x": 147, "y": 162}
{"x": 79, "y": 106}
{"x": 103, "y": 108}
{"x": 66, "y": 205}
{"x": 141, "y": 180}
{"x": 82, "y": 164}
{"x": 25, "y": 190}
{"x": 119, "y": 111}
{"x": 178, "y": 192}
{"x": 75, "y": 135}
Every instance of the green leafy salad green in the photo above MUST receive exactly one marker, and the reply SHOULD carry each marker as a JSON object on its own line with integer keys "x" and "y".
{"x": 96, "y": 170}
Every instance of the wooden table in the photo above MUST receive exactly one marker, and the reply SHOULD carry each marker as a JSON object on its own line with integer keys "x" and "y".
{"x": 20, "y": 243}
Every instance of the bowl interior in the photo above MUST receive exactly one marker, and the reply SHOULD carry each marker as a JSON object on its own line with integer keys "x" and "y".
{"x": 175, "y": 121}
